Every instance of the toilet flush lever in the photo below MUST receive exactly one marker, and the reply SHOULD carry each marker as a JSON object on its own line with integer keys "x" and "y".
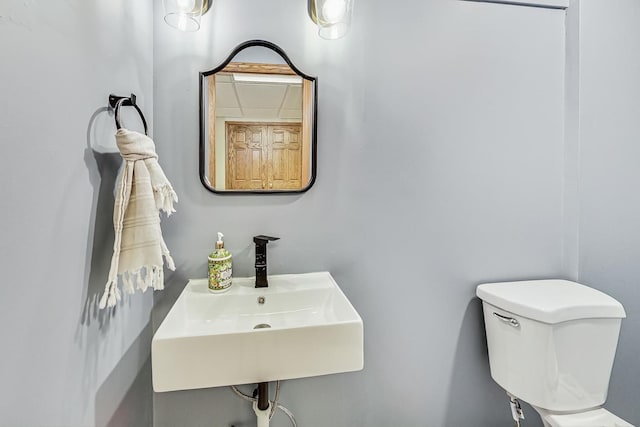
{"x": 510, "y": 320}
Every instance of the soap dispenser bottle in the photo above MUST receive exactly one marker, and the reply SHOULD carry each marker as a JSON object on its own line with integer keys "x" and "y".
{"x": 220, "y": 267}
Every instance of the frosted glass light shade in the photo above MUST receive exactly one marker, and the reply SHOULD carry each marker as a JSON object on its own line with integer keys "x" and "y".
{"x": 333, "y": 17}
{"x": 184, "y": 14}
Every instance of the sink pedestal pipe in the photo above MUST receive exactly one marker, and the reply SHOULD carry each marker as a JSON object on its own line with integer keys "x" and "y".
{"x": 262, "y": 406}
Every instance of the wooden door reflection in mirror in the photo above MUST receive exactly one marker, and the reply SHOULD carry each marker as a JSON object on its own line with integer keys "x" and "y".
{"x": 257, "y": 123}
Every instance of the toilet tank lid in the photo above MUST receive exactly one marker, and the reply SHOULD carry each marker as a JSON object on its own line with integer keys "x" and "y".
{"x": 550, "y": 301}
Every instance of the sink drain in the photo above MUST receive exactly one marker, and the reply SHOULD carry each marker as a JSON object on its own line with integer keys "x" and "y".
{"x": 262, "y": 326}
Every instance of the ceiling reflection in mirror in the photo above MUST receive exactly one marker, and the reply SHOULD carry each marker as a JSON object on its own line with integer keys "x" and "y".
{"x": 257, "y": 123}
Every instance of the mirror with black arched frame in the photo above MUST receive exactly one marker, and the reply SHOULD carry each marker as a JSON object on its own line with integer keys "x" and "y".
{"x": 258, "y": 115}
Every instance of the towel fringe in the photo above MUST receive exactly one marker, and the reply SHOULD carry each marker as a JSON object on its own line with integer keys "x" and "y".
{"x": 140, "y": 282}
{"x": 165, "y": 198}
{"x": 148, "y": 278}
{"x": 159, "y": 284}
{"x": 167, "y": 256}
{"x": 127, "y": 281}
{"x": 154, "y": 278}
{"x": 170, "y": 264}
{"x": 111, "y": 294}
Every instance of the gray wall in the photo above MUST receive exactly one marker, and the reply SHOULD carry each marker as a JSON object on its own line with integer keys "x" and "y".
{"x": 609, "y": 209}
{"x": 440, "y": 167}
{"x": 61, "y": 362}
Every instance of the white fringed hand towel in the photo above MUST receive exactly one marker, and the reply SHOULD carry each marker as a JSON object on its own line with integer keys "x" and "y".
{"x": 142, "y": 191}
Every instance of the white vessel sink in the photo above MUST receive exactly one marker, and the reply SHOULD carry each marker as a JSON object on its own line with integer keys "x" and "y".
{"x": 304, "y": 327}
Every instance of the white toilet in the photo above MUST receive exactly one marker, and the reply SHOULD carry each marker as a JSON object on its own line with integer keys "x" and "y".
{"x": 552, "y": 344}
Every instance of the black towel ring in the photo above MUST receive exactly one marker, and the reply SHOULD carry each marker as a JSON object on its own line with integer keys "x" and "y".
{"x": 117, "y": 101}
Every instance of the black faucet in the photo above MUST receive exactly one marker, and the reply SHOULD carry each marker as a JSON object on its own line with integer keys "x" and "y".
{"x": 261, "y": 259}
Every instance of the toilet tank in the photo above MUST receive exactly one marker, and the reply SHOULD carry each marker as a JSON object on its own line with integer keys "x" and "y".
{"x": 551, "y": 342}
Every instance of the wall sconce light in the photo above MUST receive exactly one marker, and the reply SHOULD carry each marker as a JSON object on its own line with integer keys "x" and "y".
{"x": 185, "y": 14}
{"x": 333, "y": 17}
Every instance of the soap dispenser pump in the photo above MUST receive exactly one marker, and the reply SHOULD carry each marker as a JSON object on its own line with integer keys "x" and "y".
{"x": 220, "y": 267}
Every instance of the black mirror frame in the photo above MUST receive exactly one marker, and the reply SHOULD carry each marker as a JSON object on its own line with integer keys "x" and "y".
{"x": 314, "y": 131}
